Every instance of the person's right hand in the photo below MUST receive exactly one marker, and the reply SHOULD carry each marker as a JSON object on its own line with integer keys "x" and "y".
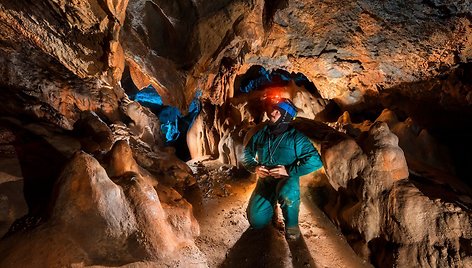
{"x": 262, "y": 171}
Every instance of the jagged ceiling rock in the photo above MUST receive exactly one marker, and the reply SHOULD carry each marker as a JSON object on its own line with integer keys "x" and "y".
{"x": 79, "y": 35}
{"x": 347, "y": 50}
{"x": 60, "y": 57}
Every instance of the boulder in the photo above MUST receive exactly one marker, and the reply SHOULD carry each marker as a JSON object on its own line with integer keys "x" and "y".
{"x": 95, "y": 221}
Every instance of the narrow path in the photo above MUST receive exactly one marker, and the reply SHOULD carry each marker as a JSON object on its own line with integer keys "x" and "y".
{"x": 227, "y": 241}
{"x": 327, "y": 245}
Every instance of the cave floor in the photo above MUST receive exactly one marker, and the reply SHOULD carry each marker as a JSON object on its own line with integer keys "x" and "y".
{"x": 227, "y": 241}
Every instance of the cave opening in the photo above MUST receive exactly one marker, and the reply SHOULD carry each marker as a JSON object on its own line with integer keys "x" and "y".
{"x": 174, "y": 124}
{"x": 258, "y": 77}
{"x": 263, "y": 83}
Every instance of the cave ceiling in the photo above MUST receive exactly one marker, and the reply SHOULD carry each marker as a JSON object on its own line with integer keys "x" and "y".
{"x": 349, "y": 50}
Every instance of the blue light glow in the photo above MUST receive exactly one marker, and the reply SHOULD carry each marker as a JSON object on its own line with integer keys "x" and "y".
{"x": 266, "y": 78}
{"x": 173, "y": 124}
{"x": 148, "y": 95}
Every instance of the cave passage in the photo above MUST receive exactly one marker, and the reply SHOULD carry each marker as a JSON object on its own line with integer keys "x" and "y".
{"x": 280, "y": 83}
{"x": 174, "y": 125}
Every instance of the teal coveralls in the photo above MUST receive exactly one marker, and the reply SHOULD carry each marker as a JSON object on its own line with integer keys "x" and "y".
{"x": 291, "y": 149}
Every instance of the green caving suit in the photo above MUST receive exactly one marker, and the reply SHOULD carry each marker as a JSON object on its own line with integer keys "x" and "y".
{"x": 291, "y": 149}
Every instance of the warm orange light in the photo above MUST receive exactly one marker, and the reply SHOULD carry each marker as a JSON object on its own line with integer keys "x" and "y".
{"x": 274, "y": 95}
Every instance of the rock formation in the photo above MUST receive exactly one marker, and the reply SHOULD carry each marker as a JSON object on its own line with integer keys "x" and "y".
{"x": 390, "y": 210}
{"x": 396, "y": 74}
{"x": 95, "y": 220}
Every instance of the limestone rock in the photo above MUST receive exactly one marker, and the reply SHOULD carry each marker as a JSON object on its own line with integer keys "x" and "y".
{"x": 166, "y": 30}
{"x": 52, "y": 58}
{"x": 58, "y": 28}
{"x": 384, "y": 210}
{"x": 12, "y": 204}
{"x": 145, "y": 125}
{"x": 95, "y": 135}
{"x": 417, "y": 143}
{"x": 179, "y": 211}
{"x": 385, "y": 156}
{"x": 59, "y": 58}
{"x": 97, "y": 222}
{"x": 419, "y": 215}
{"x": 343, "y": 161}
{"x": 88, "y": 200}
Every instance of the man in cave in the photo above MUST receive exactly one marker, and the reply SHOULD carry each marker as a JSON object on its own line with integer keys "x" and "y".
{"x": 279, "y": 155}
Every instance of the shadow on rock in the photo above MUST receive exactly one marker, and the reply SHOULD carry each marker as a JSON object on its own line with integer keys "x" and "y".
{"x": 259, "y": 248}
{"x": 301, "y": 256}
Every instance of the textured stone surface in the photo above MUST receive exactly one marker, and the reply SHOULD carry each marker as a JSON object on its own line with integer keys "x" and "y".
{"x": 95, "y": 135}
{"x": 390, "y": 216}
{"x": 95, "y": 221}
{"x": 61, "y": 58}
{"x": 347, "y": 50}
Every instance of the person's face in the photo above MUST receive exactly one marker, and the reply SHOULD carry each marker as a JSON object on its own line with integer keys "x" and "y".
{"x": 274, "y": 115}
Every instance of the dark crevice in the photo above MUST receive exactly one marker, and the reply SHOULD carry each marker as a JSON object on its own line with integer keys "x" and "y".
{"x": 382, "y": 252}
{"x": 173, "y": 124}
{"x": 270, "y": 8}
{"x": 350, "y": 61}
{"x": 331, "y": 112}
{"x": 443, "y": 10}
{"x": 327, "y": 51}
{"x": 436, "y": 190}
{"x": 40, "y": 169}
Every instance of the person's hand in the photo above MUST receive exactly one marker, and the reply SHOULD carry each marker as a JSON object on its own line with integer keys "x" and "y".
{"x": 262, "y": 171}
{"x": 278, "y": 172}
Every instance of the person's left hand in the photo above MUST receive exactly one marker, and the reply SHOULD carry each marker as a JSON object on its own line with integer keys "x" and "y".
{"x": 278, "y": 172}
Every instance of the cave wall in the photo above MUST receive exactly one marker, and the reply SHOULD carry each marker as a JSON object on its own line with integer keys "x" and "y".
{"x": 61, "y": 64}
{"x": 61, "y": 58}
{"x": 390, "y": 204}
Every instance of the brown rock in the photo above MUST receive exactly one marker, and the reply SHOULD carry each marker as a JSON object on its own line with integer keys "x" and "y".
{"x": 178, "y": 210}
{"x": 384, "y": 154}
{"x": 95, "y": 134}
{"x": 343, "y": 161}
{"x": 96, "y": 222}
{"x": 429, "y": 230}
{"x": 417, "y": 143}
{"x": 12, "y": 204}
{"x": 145, "y": 125}
{"x": 88, "y": 200}
{"x": 59, "y": 58}
{"x": 389, "y": 217}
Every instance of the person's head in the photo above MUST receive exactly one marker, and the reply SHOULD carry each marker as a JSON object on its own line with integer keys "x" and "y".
{"x": 282, "y": 111}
